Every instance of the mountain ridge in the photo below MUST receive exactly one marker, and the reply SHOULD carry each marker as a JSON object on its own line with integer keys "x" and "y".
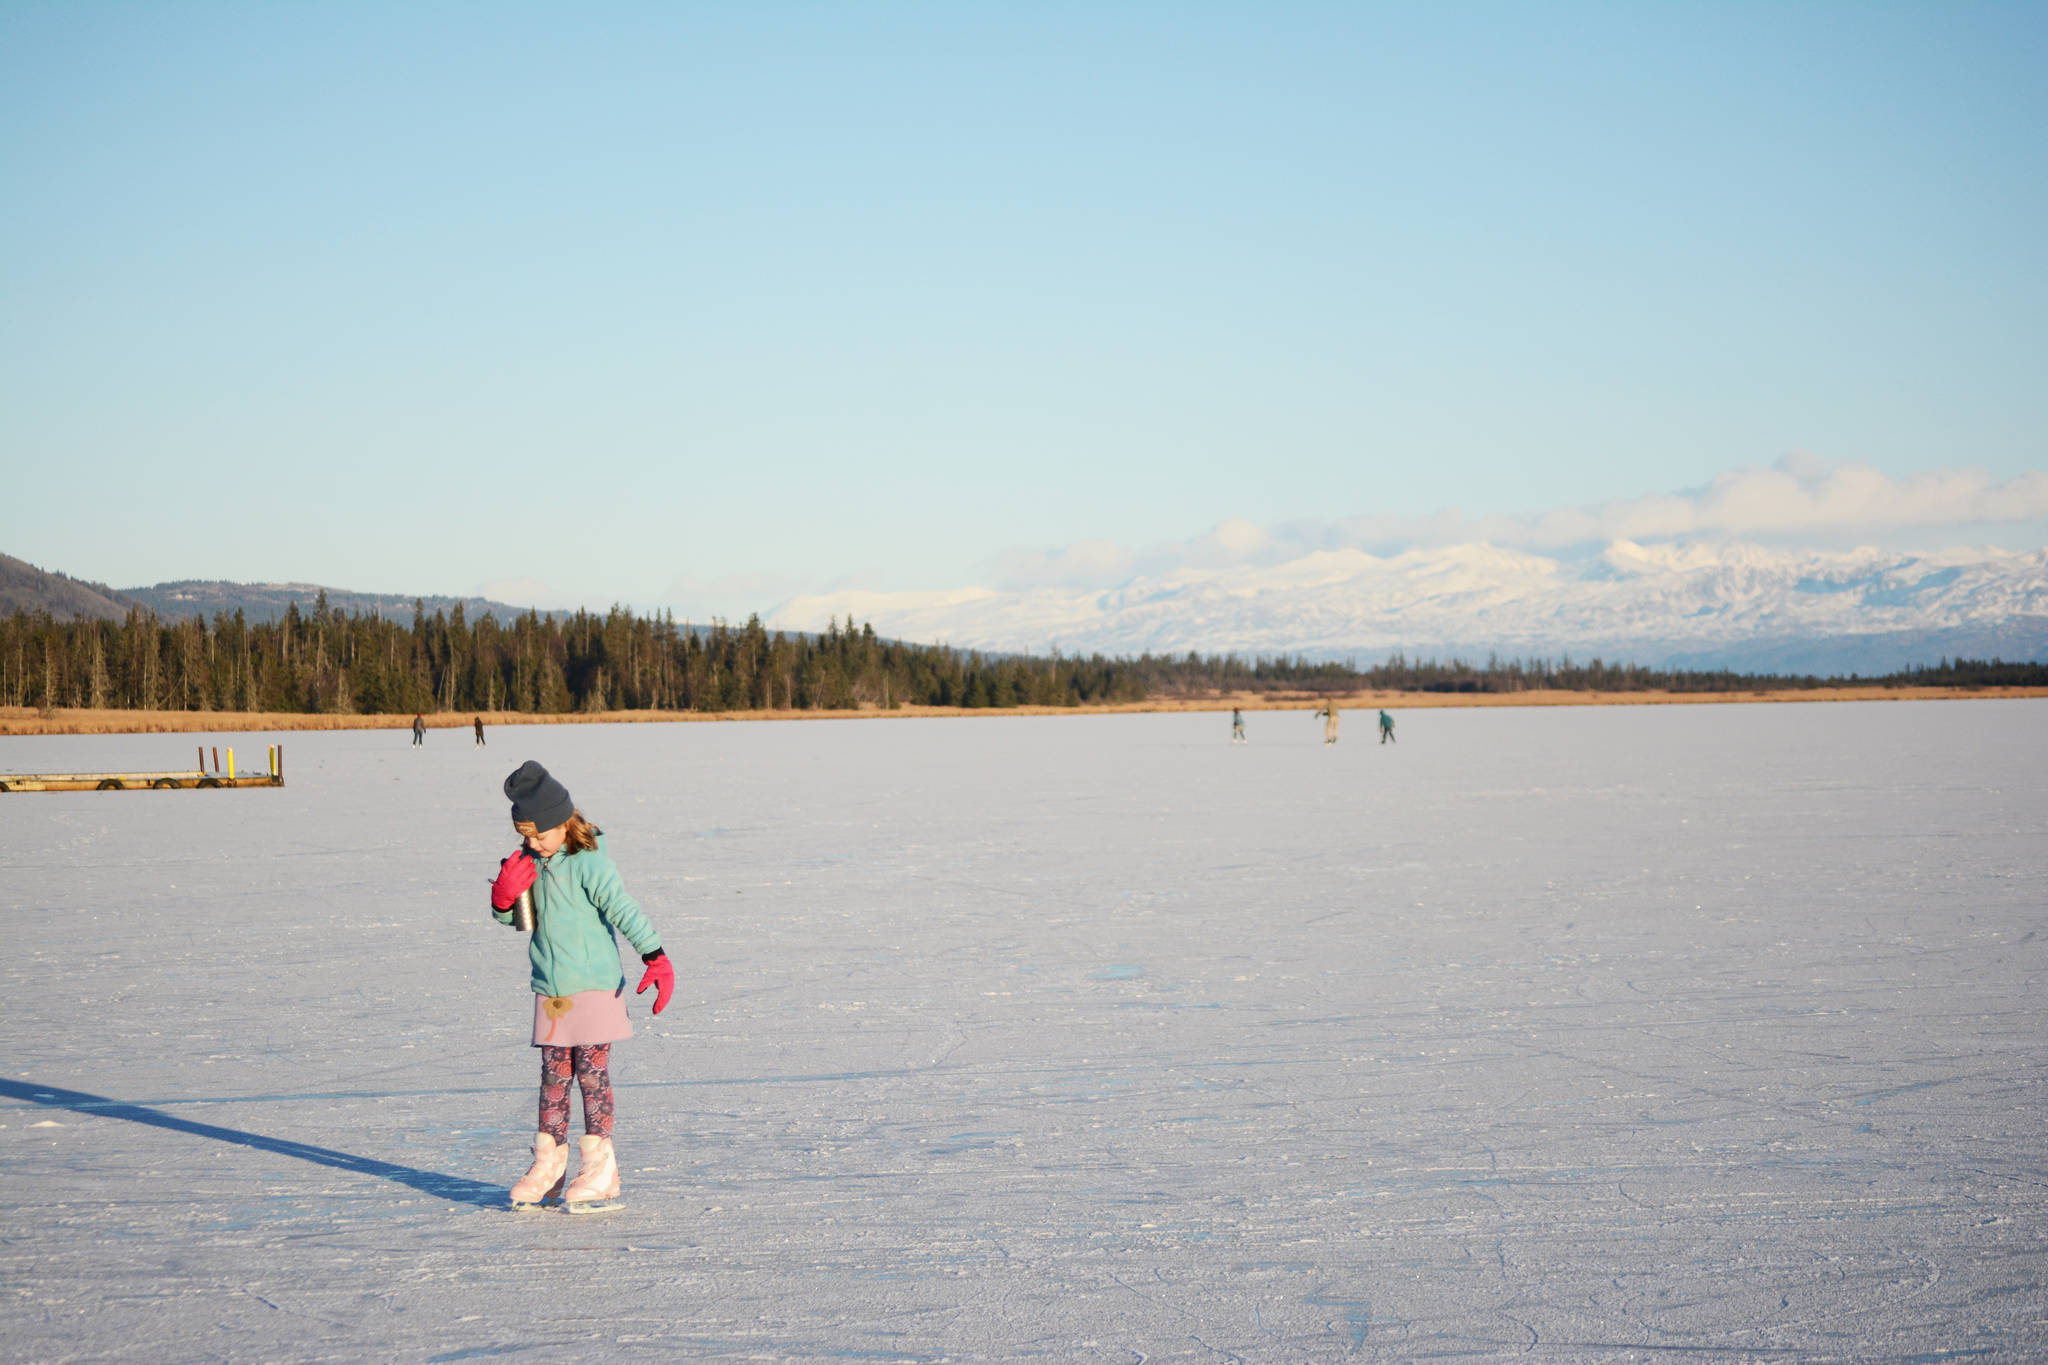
{"x": 270, "y": 601}
{"x": 1696, "y": 605}
{"x": 1680, "y": 605}
{"x": 24, "y": 587}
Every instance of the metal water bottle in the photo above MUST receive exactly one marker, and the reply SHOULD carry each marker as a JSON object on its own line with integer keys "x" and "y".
{"x": 524, "y": 913}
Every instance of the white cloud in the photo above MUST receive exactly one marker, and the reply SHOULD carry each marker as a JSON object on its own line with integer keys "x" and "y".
{"x": 1082, "y": 564}
{"x": 1804, "y": 495}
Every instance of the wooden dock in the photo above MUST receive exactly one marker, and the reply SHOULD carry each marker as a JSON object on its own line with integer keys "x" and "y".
{"x": 126, "y": 782}
{"x": 129, "y": 782}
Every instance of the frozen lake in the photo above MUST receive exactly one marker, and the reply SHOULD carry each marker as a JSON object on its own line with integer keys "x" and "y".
{"x": 1696, "y": 1032}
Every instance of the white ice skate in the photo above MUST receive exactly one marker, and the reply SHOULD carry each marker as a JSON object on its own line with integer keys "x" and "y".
{"x": 544, "y": 1181}
{"x": 596, "y": 1186}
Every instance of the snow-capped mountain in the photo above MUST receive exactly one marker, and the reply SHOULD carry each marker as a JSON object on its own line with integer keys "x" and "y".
{"x": 1696, "y": 605}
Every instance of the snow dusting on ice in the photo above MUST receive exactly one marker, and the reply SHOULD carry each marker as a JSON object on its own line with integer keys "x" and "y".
{"x": 1695, "y": 1032}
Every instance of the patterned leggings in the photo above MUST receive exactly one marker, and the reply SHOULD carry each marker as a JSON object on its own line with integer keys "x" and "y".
{"x": 591, "y": 1066}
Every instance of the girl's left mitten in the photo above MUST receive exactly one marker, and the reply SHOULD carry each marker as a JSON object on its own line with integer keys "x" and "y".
{"x": 515, "y": 874}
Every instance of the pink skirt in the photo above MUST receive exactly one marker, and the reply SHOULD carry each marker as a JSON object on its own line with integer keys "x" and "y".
{"x": 581, "y": 1019}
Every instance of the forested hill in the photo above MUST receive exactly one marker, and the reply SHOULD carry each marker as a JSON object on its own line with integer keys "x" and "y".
{"x": 24, "y": 587}
{"x": 261, "y": 602}
{"x": 331, "y": 661}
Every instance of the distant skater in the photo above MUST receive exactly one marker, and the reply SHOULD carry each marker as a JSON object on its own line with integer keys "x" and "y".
{"x": 479, "y": 722}
{"x": 1236, "y": 726}
{"x": 419, "y": 731}
{"x": 1329, "y": 715}
{"x": 1386, "y": 728}
{"x": 579, "y": 993}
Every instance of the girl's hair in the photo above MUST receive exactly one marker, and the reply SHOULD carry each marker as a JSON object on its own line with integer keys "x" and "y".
{"x": 580, "y": 837}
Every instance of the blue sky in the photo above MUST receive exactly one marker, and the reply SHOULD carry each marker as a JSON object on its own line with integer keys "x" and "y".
{"x": 706, "y": 306}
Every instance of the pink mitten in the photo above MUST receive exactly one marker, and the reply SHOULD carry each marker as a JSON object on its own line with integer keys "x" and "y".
{"x": 660, "y": 975}
{"x": 515, "y": 874}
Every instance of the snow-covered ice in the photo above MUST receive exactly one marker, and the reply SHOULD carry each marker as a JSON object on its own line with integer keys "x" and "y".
{"x": 1701, "y": 1032}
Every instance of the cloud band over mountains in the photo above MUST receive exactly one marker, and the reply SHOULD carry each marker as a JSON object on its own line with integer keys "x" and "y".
{"x": 1787, "y": 553}
{"x": 1799, "y": 497}
{"x": 1707, "y": 577}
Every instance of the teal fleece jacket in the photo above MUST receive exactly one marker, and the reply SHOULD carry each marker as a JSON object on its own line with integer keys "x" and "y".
{"x": 579, "y": 902}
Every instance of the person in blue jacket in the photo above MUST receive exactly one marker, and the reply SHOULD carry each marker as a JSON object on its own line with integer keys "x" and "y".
{"x": 579, "y": 1008}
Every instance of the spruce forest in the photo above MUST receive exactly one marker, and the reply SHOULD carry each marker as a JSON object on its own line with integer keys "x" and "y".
{"x": 325, "y": 661}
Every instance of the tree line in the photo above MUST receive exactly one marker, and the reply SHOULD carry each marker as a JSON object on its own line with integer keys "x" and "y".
{"x": 328, "y": 661}
{"x": 1196, "y": 675}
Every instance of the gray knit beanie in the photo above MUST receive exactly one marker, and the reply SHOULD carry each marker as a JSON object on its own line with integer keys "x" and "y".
{"x": 538, "y": 798}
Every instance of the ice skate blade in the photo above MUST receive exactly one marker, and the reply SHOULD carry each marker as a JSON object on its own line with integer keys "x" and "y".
{"x": 581, "y": 1206}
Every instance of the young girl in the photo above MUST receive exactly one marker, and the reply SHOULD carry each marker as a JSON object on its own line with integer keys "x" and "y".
{"x": 579, "y": 1006}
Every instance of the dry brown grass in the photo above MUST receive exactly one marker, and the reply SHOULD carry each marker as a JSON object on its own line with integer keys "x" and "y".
{"x": 22, "y": 720}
